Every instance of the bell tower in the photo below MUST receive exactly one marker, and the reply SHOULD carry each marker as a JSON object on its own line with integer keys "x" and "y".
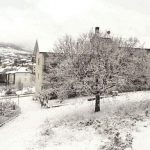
{"x": 36, "y": 49}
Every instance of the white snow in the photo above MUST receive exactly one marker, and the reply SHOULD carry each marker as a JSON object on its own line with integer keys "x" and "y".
{"x": 1, "y": 70}
{"x": 20, "y": 70}
{"x": 142, "y": 137}
{"x": 24, "y": 132}
{"x": 16, "y": 134}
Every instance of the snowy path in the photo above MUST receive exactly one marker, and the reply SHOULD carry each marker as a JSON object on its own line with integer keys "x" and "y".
{"x": 16, "y": 134}
{"x": 20, "y": 133}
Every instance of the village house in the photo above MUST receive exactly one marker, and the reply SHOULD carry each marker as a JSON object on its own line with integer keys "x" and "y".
{"x": 21, "y": 76}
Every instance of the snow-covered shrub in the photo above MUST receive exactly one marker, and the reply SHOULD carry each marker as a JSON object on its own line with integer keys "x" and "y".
{"x": 8, "y": 110}
{"x": 67, "y": 91}
{"x": 47, "y": 132}
{"x": 117, "y": 142}
{"x": 47, "y": 94}
{"x": 129, "y": 140}
{"x": 47, "y": 129}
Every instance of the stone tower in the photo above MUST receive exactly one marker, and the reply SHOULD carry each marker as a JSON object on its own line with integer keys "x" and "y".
{"x": 36, "y": 49}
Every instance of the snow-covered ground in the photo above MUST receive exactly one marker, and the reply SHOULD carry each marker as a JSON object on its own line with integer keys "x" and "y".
{"x": 26, "y": 132}
{"x": 17, "y": 134}
{"x": 27, "y": 90}
{"x": 142, "y": 137}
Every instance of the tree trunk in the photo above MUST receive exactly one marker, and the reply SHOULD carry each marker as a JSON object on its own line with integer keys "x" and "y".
{"x": 97, "y": 103}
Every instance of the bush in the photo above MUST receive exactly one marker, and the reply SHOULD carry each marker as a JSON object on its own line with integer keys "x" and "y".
{"x": 8, "y": 110}
{"x": 65, "y": 92}
{"x": 48, "y": 94}
{"x": 118, "y": 143}
{"x": 10, "y": 92}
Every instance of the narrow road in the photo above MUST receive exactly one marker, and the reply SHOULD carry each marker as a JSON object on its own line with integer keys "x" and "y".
{"x": 18, "y": 133}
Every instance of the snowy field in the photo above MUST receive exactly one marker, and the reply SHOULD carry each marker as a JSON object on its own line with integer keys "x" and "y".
{"x": 57, "y": 128}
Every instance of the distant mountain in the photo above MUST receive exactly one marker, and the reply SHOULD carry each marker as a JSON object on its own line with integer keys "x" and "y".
{"x": 13, "y": 46}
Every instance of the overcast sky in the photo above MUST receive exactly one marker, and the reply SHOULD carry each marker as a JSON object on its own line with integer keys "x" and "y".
{"x": 24, "y": 21}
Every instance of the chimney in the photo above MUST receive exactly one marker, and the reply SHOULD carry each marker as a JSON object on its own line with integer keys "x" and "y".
{"x": 96, "y": 30}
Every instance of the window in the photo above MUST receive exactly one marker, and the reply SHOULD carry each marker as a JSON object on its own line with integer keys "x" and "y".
{"x": 53, "y": 64}
{"x": 44, "y": 68}
{"x": 38, "y": 61}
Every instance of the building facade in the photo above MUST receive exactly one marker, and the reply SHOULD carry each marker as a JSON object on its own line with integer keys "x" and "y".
{"x": 39, "y": 71}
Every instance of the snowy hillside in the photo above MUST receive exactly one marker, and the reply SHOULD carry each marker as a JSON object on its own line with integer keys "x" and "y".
{"x": 7, "y": 49}
{"x": 11, "y": 51}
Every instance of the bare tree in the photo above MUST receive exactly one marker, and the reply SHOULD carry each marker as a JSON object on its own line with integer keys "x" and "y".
{"x": 96, "y": 63}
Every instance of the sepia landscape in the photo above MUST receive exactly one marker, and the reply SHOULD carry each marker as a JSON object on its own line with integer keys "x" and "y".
{"x": 74, "y": 75}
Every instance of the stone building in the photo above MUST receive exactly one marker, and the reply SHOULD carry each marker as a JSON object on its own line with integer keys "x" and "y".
{"x": 43, "y": 59}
